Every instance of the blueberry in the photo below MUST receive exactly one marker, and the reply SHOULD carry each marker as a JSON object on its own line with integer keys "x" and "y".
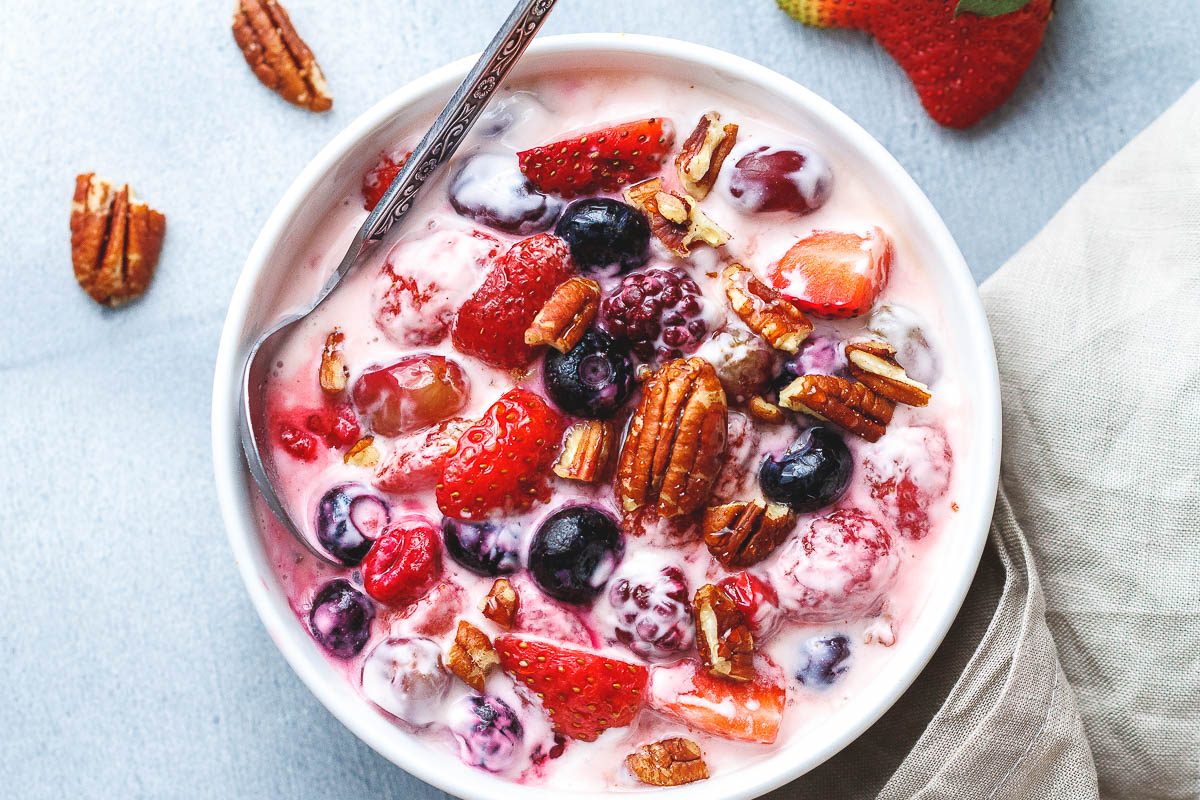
{"x": 605, "y": 234}
{"x": 340, "y": 619}
{"x": 813, "y": 473}
{"x": 823, "y": 660}
{"x": 574, "y": 552}
{"x": 488, "y": 732}
{"x": 593, "y": 379}
{"x": 485, "y": 548}
{"x": 491, "y": 190}
{"x": 349, "y": 518}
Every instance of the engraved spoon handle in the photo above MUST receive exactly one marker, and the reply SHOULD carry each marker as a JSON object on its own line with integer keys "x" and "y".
{"x": 450, "y": 128}
{"x": 434, "y": 149}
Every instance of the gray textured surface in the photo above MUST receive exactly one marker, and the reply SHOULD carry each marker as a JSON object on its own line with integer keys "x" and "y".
{"x": 131, "y": 663}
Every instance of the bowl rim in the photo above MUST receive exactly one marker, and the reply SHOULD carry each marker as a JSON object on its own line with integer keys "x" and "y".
{"x": 234, "y": 493}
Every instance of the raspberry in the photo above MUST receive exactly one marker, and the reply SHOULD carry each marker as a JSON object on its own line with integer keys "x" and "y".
{"x": 906, "y": 474}
{"x": 651, "y": 611}
{"x": 658, "y": 311}
{"x": 841, "y": 569}
{"x": 300, "y": 431}
{"x": 298, "y": 443}
{"x": 404, "y": 562}
{"x": 337, "y": 425}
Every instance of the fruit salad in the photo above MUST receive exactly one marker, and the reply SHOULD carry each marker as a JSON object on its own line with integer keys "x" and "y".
{"x": 635, "y": 448}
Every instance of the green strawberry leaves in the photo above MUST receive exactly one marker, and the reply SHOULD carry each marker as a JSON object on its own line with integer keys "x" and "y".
{"x": 989, "y": 8}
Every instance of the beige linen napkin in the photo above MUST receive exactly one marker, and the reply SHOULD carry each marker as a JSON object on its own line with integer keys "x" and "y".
{"x": 1073, "y": 670}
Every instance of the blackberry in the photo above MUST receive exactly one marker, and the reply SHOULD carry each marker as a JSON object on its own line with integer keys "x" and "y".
{"x": 658, "y": 311}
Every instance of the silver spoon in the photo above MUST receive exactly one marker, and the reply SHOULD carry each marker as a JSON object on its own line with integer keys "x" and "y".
{"x": 434, "y": 150}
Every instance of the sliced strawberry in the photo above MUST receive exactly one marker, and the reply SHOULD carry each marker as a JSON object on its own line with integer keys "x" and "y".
{"x": 756, "y": 600}
{"x": 491, "y": 325}
{"x": 417, "y": 461}
{"x": 502, "y": 462}
{"x": 584, "y": 693}
{"x": 540, "y": 616}
{"x": 600, "y": 160}
{"x": 748, "y": 712}
{"x": 834, "y": 274}
{"x": 379, "y": 178}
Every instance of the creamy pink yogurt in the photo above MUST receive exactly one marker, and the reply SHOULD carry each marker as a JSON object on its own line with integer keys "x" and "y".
{"x": 868, "y": 590}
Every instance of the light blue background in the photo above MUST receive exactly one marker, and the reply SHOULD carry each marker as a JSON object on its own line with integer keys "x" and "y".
{"x": 131, "y": 662}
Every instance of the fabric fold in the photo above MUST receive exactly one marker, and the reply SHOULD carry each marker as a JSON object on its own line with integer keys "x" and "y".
{"x": 1073, "y": 669}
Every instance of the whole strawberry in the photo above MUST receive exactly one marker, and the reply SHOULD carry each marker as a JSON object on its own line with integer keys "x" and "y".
{"x": 964, "y": 57}
{"x": 584, "y": 693}
{"x": 502, "y": 462}
{"x": 605, "y": 159}
{"x": 491, "y": 324}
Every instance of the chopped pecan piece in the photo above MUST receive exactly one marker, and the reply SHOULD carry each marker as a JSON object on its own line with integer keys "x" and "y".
{"x": 567, "y": 315}
{"x": 703, "y": 153}
{"x": 471, "y": 656}
{"x": 764, "y": 310}
{"x": 115, "y": 240}
{"x": 848, "y": 404}
{"x": 742, "y": 534}
{"x": 364, "y": 453}
{"x": 874, "y": 364}
{"x": 676, "y": 440}
{"x": 671, "y": 762}
{"x": 277, "y": 54}
{"x": 722, "y": 635}
{"x": 501, "y": 604}
{"x": 675, "y": 220}
{"x": 764, "y": 410}
{"x": 333, "y": 374}
{"x": 586, "y": 449}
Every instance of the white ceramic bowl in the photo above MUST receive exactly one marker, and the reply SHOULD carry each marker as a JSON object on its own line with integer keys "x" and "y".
{"x": 337, "y": 169}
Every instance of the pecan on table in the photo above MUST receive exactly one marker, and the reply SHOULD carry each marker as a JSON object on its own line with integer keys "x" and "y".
{"x": 115, "y": 240}
{"x": 278, "y": 56}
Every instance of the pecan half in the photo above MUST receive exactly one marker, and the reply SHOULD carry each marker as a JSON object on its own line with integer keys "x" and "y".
{"x": 742, "y": 534}
{"x": 586, "y": 450}
{"x": 703, "y": 153}
{"x": 567, "y": 315}
{"x": 115, "y": 240}
{"x": 501, "y": 604}
{"x": 278, "y": 56}
{"x": 671, "y": 762}
{"x": 874, "y": 363}
{"x": 676, "y": 440}
{"x": 848, "y": 404}
{"x": 675, "y": 220}
{"x": 471, "y": 656}
{"x": 333, "y": 374}
{"x": 764, "y": 310}
{"x": 722, "y": 636}
{"x": 764, "y": 410}
{"x": 364, "y": 453}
